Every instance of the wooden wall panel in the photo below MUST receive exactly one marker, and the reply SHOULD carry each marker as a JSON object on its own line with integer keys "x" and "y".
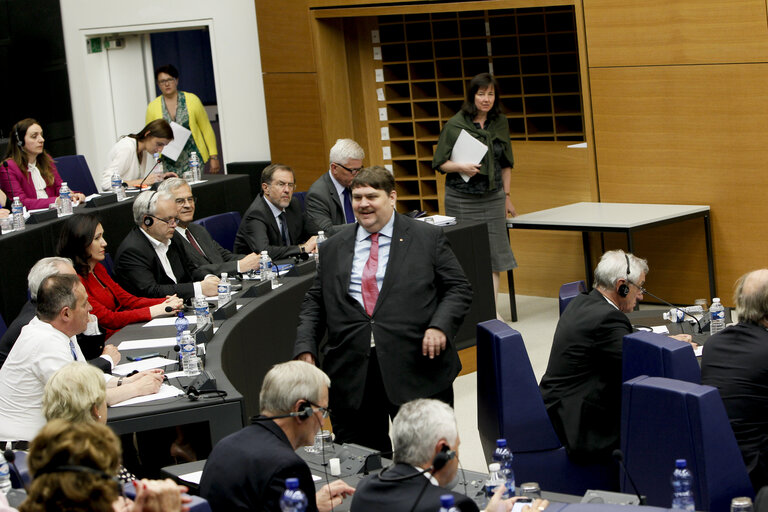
{"x": 546, "y": 175}
{"x": 285, "y": 38}
{"x": 295, "y": 125}
{"x": 690, "y": 135}
{"x": 658, "y": 32}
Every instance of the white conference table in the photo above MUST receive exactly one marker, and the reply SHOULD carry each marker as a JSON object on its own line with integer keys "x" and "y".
{"x": 617, "y": 218}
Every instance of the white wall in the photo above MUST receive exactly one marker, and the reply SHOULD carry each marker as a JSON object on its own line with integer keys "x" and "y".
{"x": 236, "y": 63}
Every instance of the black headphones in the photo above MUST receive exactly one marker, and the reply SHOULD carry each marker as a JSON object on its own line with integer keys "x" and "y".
{"x": 19, "y": 142}
{"x": 148, "y": 221}
{"x": 441, "y": 459}
{"x": 193, "y": 394}
{"x": 623, "y": 290}
{"x": 75, "y": 468}
{"x": 305, "y": 411}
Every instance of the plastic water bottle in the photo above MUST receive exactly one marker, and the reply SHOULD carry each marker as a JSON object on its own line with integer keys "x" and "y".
{"x": 504, "y": 457}
{"x": 189, "y": 361}
{"x": 65, "y": 199}
{"x": 194, "y": 166}
{"x": 320, "y": 239}
{"x": 495, "y": 479}
{"x": 224, "y": 289}
{"x": 717, "y": 314}
{"x": 117, "y": 186}
{"x": 202, "y": 313}
{"x": 447, "y": 503}
{"x": 682, "y": 484}
{"x": 18, "y": 214}
{"x": 182, "y": 324}
{"x": 265, "y": 267}
{"x": 158, "y": 168}
{"x": 293, "y": 498}
{"x": 5, "y": 475}
{"x": 741, "y": 504}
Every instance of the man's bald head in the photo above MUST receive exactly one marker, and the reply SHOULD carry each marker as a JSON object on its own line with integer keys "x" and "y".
{"x": 751, "y": 297}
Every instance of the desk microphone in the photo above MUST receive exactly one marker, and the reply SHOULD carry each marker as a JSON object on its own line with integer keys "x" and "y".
{"x": 150, "y": 172}
{"x": 10, "y": 182}
{"x": 168, "y": 309}
{"x": 619, "y": 456}
{"x": 701, "y": 329}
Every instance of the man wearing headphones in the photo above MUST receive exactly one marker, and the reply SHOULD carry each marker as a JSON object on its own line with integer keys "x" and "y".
{"x": 426, "y": 442}
{"x": 149, "y": 264}
{"x": 582, "y": 385}
{"x": 247, "y": 470}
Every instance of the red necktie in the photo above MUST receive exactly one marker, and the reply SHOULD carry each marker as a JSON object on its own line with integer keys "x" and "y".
{"x": 369, "y": 287}
{"x": 194, "y": 242}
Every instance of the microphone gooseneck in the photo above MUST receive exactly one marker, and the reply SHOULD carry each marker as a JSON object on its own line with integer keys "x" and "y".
{"x": 150, "y": 172}
{"x": 619, "y": 456}
{"x": 673, "y": 306}
{"x": 10, "y": 182}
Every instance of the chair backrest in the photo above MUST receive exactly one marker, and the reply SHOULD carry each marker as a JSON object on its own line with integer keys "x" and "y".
{"x": 665, "y": 419}
{"x": 301, "y": 196}
{"x": 222, "y": 227}
{"x": 3, "y": 327}
{"x": 109, "y": 264}
{"x": 657, "y": 355}
{"x": 74, "y": 170}
{"x": 506, "y": 385}
{"x": 569, "y": 291}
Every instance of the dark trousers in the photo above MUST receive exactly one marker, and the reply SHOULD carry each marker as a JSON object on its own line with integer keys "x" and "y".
{"x": 369, "y": 425}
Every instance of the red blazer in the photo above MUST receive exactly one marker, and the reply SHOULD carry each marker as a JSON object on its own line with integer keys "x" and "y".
{"x": 14, "y": 183}
{"x": 114, "y": 307}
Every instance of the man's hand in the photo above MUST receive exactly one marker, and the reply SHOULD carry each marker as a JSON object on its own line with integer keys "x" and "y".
{"x": 307, "y": 357}
{"x": 433, "y": 342}
{"x": 686, "y": 338}
{"x": 146, "y": 383}
{"x": 332, "y": 495}
{"x": 210, "y": 286}
{"x": 498, "y": 504}
{"x": 250, "y": 262}
{"x": 111, "y": 351}
{"x": 311, "y": 244}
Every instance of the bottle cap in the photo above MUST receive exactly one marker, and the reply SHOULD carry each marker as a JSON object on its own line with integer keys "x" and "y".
{"x": 501, "y": 443}
{"x": 680, "y": 463}
{"x": 180, "y": 314}
{"x": 446, "y": 500}
{"x": 292, "y": 483}
{"x": 715, "y": 299}
{"x": 223, "y": 276}
{"x": 494, "y": 466}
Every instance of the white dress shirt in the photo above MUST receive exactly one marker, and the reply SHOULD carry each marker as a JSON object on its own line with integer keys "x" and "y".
{"x": 40, "y": 350}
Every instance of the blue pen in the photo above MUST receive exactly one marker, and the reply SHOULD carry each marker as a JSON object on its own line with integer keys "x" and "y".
{"x": 145, "y": 356}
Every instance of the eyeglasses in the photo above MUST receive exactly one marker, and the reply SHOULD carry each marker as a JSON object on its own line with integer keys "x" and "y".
{"x": 166, "y": 81}
{"x": 171, "y": 221}
{"x": 353, "y": 171}
{"x": 182, "y": 200}
{"x": 323, "y": 410}
{"x": 282, "y": 184}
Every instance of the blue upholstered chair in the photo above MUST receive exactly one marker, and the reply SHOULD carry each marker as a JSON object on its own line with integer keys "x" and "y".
{"x": 301, "y": 196}
{"x": 657, "y": 355}
{"x": 19, "y": 472}
{"x": 74, "y": 170}
{"x": 222, "y": 227}
{"x": 509, "y": 405}
{"x": 665, "y": 419}
{"x": 569, "y": 291}
{"x": 109, "y": 264}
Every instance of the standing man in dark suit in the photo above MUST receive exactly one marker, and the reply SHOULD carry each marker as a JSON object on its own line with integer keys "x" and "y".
{"x": 198, "y": 244}
{"x": 274, "y": 222}
{"x": 329, "y": 200}
{"x": 149, "y": 264}
{"x": 391, "y": 295}
{"x": 582, "y": 385}
{"x": 735, "y": 361}
{"x": 247, "y": 470}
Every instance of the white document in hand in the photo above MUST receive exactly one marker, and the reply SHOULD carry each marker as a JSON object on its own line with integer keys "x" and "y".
{"x": 180, "y": 137}
{"x": 468, "y": 149}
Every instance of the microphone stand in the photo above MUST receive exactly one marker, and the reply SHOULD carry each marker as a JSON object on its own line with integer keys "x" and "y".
{"x": 700, "y": 331}
{"x": 150, "y": 172}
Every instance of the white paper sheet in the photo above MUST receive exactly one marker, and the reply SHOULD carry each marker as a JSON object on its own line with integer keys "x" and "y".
{"x": 193, "y": 477}
{"x": 166, "y": 391}
{"x": 180, "y": 137}
{"x": 468, "y": 149}
{"x": 169, "y": 320}
{"x": 175, "y": 375}
{"x": 149, "y": 343}
{"x": 660, "y": 329}
{"x": 146, "y": 364}
{"x": 698, "y": 350}
{"x": 439, "y": 220}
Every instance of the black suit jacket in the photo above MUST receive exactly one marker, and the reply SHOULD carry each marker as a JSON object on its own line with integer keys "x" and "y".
{"x": 216, "y": 260}
{"x": 259, "y": 230}
{"x": 582, "y": 385}
{"x": 374, "y": 495}
{"x": 735, "y": 361}
{"x": 324, "y": 206}
{"x": 424, "y": 286}
{"x": 91, "y": 346}
{"x": 247, "y": 470}
{"x": 139, "y": 271}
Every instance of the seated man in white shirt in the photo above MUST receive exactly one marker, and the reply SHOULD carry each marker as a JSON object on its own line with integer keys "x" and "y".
{"x": 46, "y": 344}
{"x": 149, "y": 264}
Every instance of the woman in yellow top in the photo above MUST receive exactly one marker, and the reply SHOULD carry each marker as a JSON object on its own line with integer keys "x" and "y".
{"x": 187, "y": 110}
